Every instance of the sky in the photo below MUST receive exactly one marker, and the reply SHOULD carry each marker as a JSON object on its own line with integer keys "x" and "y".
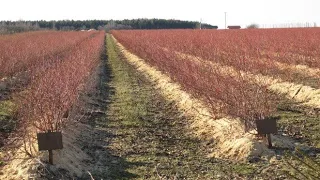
{"x": 239, "y": 12}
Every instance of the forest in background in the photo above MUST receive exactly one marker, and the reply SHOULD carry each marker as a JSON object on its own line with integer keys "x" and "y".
{"x": 22, "y": 26}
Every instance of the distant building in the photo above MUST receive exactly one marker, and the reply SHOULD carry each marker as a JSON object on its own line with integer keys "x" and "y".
{"x": 234, "y": 27}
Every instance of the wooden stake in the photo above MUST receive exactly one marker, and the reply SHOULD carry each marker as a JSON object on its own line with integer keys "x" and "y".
{"x": 50, "y": 157}
{"x": 269, "y": 141}
{"x": 50, "y": 154}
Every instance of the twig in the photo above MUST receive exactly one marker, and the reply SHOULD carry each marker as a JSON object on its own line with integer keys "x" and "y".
{"x": 90, "y": 175}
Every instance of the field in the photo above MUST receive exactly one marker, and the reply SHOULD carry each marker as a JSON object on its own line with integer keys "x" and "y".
{"x": 161, "y": 104}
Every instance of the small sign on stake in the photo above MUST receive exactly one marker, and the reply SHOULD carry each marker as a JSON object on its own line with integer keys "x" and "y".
{"x": 266, "y": 127}
{"x": 50, "y": 141}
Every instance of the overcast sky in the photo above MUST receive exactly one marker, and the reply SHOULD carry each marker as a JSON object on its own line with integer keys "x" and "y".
{"x": 239, "y": 12}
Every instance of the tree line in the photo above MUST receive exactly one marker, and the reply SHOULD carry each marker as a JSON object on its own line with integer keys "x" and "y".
{"x": 20, "y": 26}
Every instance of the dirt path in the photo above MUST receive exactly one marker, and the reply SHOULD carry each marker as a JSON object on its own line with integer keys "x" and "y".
{"x": 142, "y": 135}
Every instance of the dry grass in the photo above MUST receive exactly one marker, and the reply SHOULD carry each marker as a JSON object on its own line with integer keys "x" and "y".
{"x": 302, "y": 69}
{"x": 70, "y": 158}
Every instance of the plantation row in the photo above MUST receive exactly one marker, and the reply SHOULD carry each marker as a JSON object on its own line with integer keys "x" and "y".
{"x": 269, "y": 52}
{"x": 272, "y": 44}
{"x": 52, "y": 95}
{"x": 222, "y": 67}
{"x": 57, "y": 65}
{"x": 227, "y": 93}
{"x": 28, "y": 51}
